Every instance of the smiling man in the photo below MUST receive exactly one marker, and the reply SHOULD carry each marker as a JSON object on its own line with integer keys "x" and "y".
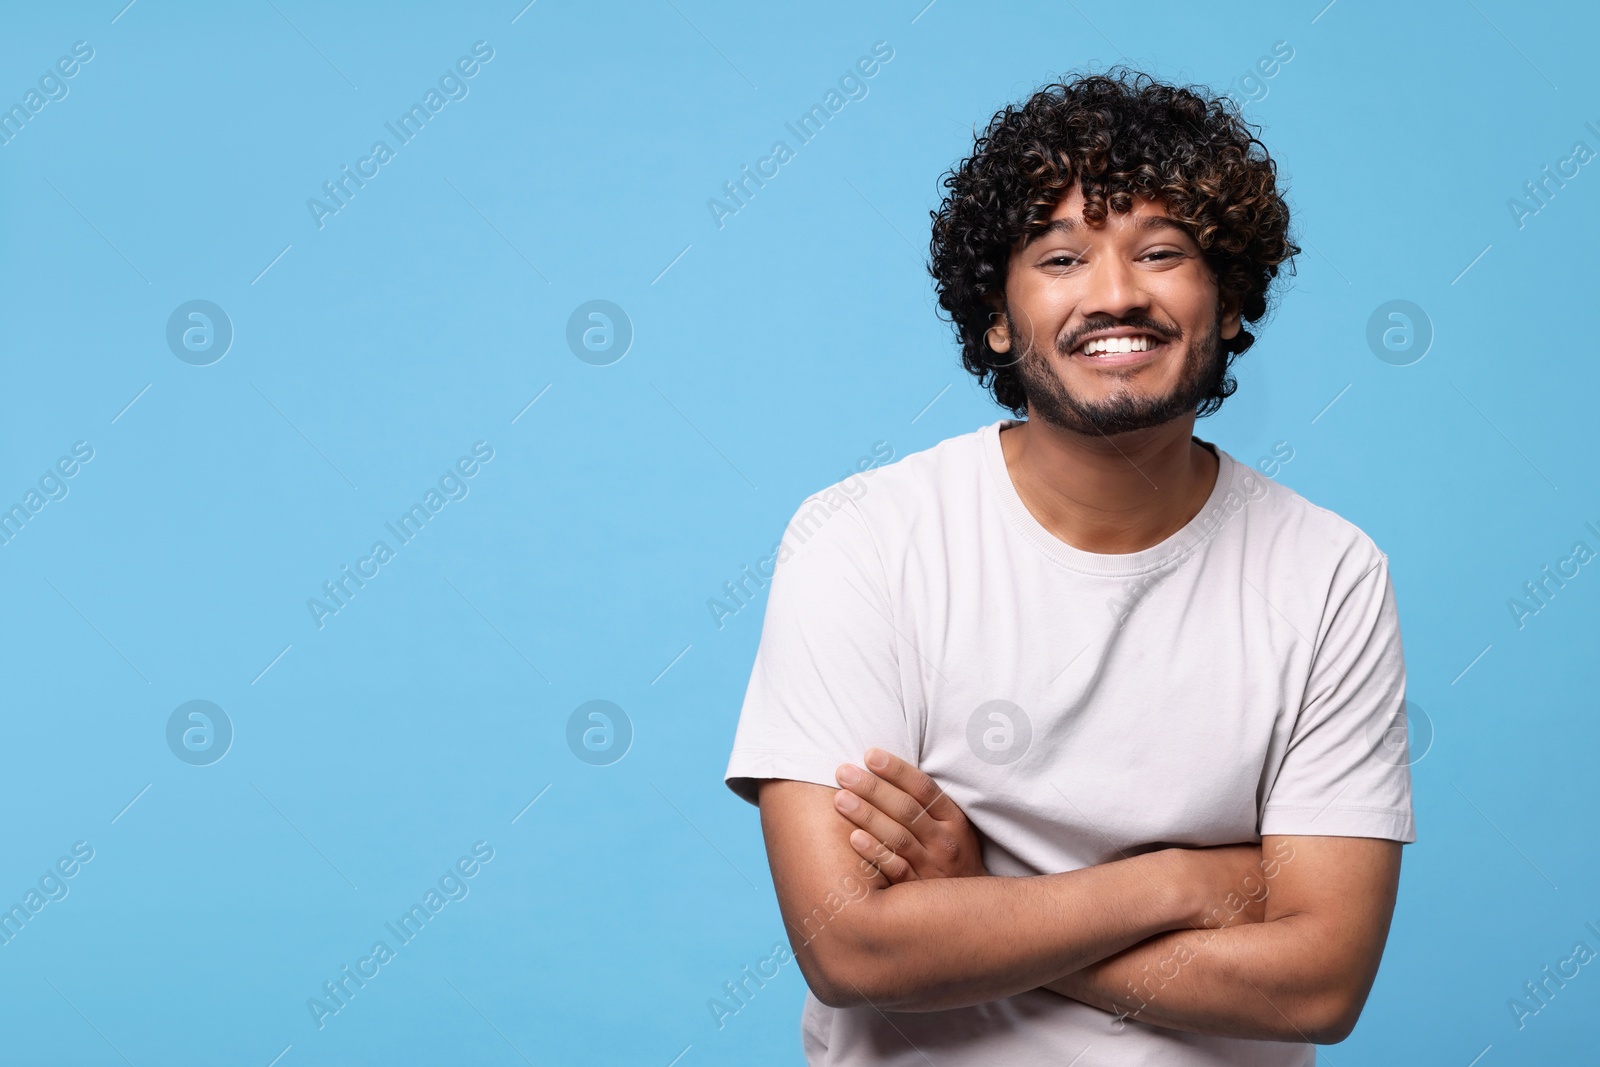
{"x": 1118, "y": 721}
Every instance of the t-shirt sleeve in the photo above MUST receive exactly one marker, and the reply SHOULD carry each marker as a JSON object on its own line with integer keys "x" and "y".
{"x": 825, "y": 686}
{"x": 1346, "y": 771}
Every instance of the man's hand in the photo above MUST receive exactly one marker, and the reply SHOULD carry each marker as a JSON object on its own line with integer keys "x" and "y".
{"x": 907, "y": 826}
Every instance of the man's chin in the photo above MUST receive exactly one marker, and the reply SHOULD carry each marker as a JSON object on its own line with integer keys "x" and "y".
{"x": 1105, "y": 419}
{"x": 1110, "y": 427}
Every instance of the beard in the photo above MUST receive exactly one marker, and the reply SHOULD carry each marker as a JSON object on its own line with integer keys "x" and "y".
{"x": 1205, "y": 368}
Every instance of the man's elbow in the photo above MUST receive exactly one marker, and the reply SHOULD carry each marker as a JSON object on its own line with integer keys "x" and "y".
{"x": 840, "y": 975}
{"x": 864, "y": 986}
{"x": 835, "y": 990}
{"x": 851, "y": 963}
{"x": 1330, "y": 1017}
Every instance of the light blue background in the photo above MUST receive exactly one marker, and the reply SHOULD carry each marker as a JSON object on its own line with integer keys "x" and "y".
{"x": 773, "y": 353}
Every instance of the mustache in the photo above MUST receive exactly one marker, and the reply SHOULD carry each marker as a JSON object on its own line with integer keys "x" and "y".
{"x": 1136, "y": 322}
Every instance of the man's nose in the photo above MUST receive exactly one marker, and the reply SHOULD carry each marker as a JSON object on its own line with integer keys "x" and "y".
{"x": 1112, "y": 288}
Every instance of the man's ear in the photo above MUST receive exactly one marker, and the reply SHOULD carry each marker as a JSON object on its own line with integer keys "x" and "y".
{"x": 1230, "y": 317}
{"x": 998, "y": 335}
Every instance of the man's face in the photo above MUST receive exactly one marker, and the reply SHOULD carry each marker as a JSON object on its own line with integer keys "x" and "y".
{"x": 1139, "y": 281}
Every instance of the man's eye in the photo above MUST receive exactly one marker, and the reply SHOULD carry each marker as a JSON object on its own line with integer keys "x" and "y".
{"x": 1165, "y": 255}
{"x": 1061, "y": 261}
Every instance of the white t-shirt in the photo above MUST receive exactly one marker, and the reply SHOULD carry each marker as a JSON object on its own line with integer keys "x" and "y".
{"x": 1243, "y": 677}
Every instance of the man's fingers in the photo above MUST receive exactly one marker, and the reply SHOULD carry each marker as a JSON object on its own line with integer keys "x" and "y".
{"x": 895, "y": 868}
{"x": 887, "y": 797}
{"x": 923, "y": 791}
{"x": 869, "y": 818}
{"x": 907, "y": 812}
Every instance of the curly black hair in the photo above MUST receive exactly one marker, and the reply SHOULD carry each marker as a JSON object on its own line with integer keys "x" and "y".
{"x": 1117, "y": 134}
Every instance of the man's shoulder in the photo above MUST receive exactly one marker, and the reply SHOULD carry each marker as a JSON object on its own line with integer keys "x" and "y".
{"x": 891, "y": 490}
{"x": 1297, "y": 532}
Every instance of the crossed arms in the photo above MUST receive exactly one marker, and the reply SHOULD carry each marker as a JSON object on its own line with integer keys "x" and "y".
{"x": 1279, "y": 941}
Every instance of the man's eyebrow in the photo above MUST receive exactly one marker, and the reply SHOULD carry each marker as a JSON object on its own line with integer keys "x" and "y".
{"x": 1142, "y": 224}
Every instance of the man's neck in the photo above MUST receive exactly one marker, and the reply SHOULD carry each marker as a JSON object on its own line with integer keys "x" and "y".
{"x": 1110, "y": 495}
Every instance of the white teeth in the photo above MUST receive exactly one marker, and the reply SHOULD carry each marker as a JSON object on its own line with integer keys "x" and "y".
{"x": 1118, "y": 345}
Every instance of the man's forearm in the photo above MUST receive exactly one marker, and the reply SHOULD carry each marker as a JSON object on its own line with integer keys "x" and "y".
{"x": 929, "y": 944}
{"x": 1301, "y": 974}
{"x": 950, "y": 943}
{"x": 1269, "y": 981}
